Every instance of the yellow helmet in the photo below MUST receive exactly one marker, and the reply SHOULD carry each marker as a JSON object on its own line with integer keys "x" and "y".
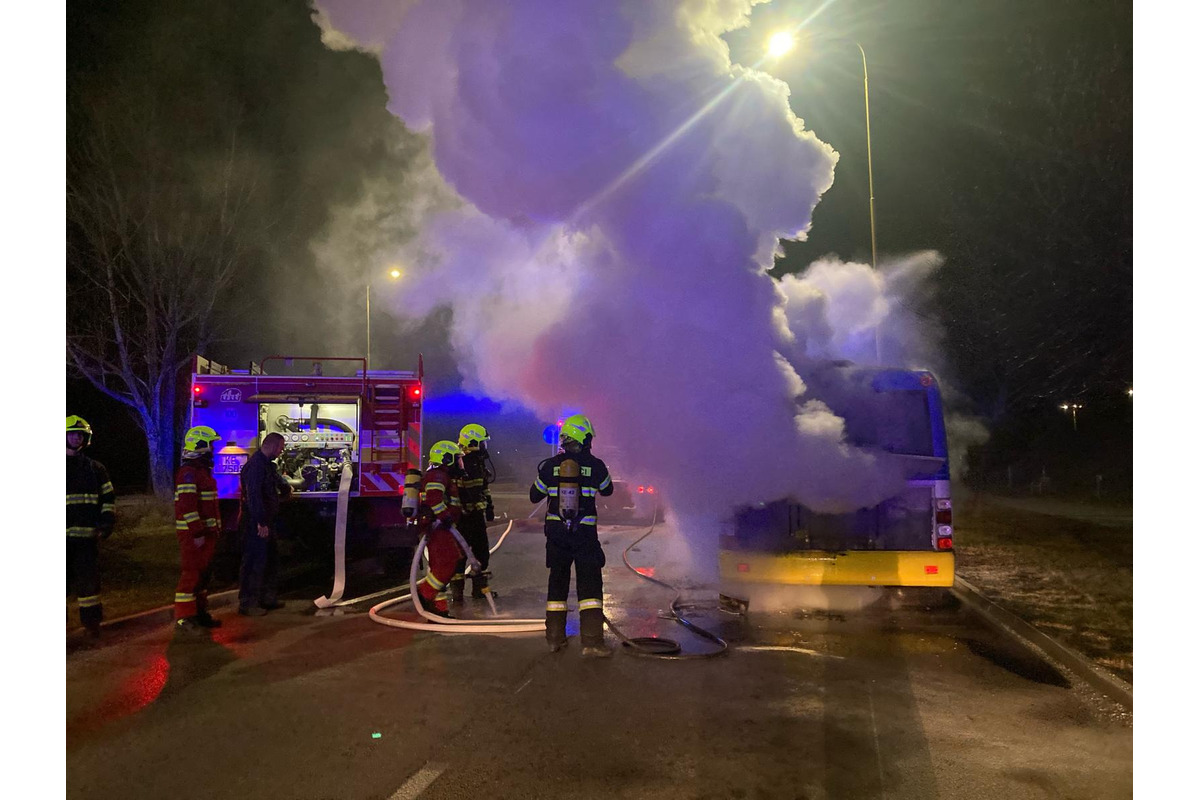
{"x": 443, "y": 453}
{"x": 471, "y": 437}
{"x": 579, "y": 428}
{"x": 80, "y": 425}
{"x": 198, "y": 441}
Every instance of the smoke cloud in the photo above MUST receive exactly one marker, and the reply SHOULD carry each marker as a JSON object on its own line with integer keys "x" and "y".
{"x": 622, "y": 190}
{"x": 834, "y": 310}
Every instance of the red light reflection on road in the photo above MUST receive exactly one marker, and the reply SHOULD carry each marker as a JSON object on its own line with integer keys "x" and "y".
{"x": 130, "y": 696}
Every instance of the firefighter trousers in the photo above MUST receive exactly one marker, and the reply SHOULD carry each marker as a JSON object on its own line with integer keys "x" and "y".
{"x": 259, "y": 573}
{"x": 444, "y": 555}
{"x": 195, "y": 572}
{"x": 83, "y": 579}
{"x": 582, "y": 549}
{"x": 473, "y": 527}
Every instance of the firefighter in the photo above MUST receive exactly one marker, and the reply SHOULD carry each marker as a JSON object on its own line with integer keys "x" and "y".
{"x": 91, "y": 515}
{"x": 440, "y": 510}
{"x": 572, "y": 480}
{"x": 477, "y": 507}
{"x": 197, "y": 525}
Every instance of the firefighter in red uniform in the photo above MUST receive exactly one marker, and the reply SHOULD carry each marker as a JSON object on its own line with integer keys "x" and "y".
{"x": 91, "y": 514}
{"x": 197, "y": 525}
{"x": 440, "y": 511}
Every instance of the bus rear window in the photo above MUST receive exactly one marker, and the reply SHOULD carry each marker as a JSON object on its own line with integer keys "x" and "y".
{"x": 896, "y": 421}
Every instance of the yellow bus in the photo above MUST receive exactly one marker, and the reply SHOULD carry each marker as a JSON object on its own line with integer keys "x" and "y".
{"x": 773, "y": 555}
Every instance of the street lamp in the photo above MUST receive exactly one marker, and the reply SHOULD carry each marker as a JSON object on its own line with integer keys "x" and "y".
{"x": 394, "y": 273}
{"x": 1074, "y": 409}
{"x": 783, "y": 42}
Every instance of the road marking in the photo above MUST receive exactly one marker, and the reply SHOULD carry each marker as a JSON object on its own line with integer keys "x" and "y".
{"x": 523, "y": 685}
{"x": 763, "y": 648}
{"x": 537, "y": 508}
{"x": 418, "y": 783}
{"x": 875, "y": 735}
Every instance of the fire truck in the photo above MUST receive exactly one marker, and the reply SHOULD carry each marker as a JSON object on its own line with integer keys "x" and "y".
{"x": 334, "y": 415}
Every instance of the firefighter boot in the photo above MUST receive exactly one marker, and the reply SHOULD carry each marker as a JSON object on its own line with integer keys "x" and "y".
{"x": 456, "y": 588}
{"x": 432, "y": 607}
{"x": 556, "y": 630}
{"x": 207, "y": 620}
{"x": 591, "y": 633}
{"x": 479, "y": 585}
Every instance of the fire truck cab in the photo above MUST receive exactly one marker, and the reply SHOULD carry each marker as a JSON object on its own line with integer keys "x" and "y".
{"x": 333, "y": 414}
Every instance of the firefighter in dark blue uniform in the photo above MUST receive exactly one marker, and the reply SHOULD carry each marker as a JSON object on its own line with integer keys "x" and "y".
{"x": 572, "y": 480}
{"x": 477, "y": 509}
{"x": 91, "y": 514}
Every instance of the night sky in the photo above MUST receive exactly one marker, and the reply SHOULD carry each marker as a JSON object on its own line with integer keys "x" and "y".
{"x": 1001, "y": 137}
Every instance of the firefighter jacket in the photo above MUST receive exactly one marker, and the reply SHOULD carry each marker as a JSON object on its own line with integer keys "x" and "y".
{"x": 91, "y": 501}
{"x": 593, "y": 480}
{"x": 475, "y": 495}
{"x": 439, "y": 498}
{"x": 196, "y": 507}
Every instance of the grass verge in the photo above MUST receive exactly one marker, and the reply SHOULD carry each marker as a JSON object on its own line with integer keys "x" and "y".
{"x": 1072, "y": 579}
{"x": 139, "y": 564}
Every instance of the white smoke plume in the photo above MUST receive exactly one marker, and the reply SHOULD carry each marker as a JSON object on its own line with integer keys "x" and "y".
{"x": 835, "y": 310}
{"x": 624, "y": 189}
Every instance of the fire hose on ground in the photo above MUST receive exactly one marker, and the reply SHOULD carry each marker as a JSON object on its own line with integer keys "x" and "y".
{"x": 644, "y": 646}
{"x": 659, "y": 647}
{"x": 442, "y": 624}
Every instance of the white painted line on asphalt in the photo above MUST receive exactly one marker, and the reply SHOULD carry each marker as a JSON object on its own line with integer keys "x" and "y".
{"x": 764, "y": 648}
{"x": 875, "y": 735}
{"x": 523, "y": 685}
{"x": 537, "y": 508}
{"x": 418, "y": 783}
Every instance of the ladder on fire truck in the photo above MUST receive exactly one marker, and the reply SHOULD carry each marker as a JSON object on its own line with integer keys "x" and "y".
{"x": 383, "y": 415}
{"x": 395, "y": 433}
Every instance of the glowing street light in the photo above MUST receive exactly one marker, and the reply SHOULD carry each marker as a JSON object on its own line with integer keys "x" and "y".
{"x": 783, "y": 42}
{"x": 1130, "y": 392}
{"x": 1074, "y": 409}
{"x": 394, "y": 273}
{"x": 780, "y": 44}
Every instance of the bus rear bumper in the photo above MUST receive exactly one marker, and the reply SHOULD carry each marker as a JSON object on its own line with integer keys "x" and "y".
{"x": 818, "y": 568}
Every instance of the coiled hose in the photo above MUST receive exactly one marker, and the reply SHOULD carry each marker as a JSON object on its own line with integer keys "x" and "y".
{"x": 658, "y": 647}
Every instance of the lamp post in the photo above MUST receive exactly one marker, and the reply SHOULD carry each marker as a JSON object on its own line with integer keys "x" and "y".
{"x": 394, "y": 274}
{"x": 782, "y": 43}
{"x": 1074, "y": 409}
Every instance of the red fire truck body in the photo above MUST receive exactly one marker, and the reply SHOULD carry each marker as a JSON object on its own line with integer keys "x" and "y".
{"x": 365, "y": 421}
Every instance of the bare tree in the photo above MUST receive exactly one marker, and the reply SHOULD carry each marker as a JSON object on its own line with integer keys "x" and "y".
{"x": 157, "y": 225}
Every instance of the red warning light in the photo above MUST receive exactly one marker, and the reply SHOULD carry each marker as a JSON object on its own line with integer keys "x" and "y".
{"x": 415, "y": 392}
{"x": 649, "y": 490}
{"x": 641, "y": 490}
{"x": 196, "y": 389}
{"x": 931, "y": 569}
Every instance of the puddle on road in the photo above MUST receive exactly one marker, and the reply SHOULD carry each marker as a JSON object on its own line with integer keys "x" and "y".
{"x": 1018, "y": 661}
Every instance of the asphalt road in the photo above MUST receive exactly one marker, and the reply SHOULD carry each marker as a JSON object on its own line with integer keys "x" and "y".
{"x": 890, "y": 703}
